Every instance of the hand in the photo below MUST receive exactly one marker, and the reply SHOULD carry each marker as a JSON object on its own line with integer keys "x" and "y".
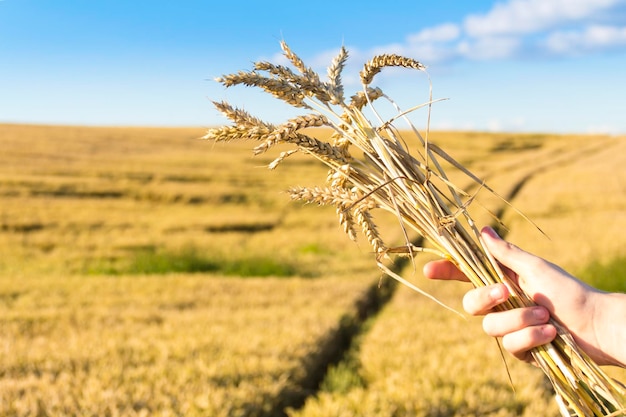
{"x": 596, "y": 320}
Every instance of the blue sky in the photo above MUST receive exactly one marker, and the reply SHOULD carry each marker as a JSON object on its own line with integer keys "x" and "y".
{"x": 509, "y": 65}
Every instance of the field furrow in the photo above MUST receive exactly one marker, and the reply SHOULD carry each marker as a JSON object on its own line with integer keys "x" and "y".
{"x": 418, "y": 359}
{"x": 146, "y": 272}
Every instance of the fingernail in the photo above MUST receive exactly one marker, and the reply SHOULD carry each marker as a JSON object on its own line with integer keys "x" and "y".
{"x": 491, "y": 232}
{"x": 497, "y": 293}
{"x": 541, "y": 314}
{"x": 549, "y": 332}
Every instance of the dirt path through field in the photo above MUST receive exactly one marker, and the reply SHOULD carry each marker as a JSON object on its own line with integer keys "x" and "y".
{"x": 543, "y": 161}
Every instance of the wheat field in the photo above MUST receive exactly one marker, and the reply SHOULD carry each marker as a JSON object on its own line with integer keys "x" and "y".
{"x": 147, "y": 272}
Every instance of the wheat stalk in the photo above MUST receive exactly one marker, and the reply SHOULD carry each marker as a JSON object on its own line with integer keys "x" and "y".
{"x": 412, "y": 186}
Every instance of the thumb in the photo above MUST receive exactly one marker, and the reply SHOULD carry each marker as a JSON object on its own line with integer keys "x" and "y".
{"x": 509, "y": 255}
{"x": 543, "y": 281}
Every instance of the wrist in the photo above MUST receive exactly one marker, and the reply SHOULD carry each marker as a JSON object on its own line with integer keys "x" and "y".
{"x": 612, "y": 333}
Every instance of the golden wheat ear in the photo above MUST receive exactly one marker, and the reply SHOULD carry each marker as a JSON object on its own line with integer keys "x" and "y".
{"x": 371, "y": 168}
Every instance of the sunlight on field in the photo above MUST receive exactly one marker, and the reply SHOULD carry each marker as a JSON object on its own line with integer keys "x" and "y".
{"x": 580, "y": 204}
{"x": 147, "y": 272}
{"x": 183, "y": 344}
{"x": 88, "y": 201}
{"x": 421, "y": 360}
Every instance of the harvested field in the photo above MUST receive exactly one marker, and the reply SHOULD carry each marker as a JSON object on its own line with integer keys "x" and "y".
{"x": 146, "y": 272}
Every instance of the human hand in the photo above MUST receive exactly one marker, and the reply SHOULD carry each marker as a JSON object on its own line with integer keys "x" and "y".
{"x": 596, "y": 320}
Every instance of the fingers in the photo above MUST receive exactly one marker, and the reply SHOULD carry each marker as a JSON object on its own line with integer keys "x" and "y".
{"x": 521, "y": 329}
{"x": 443, "y": 269}
{"x": 519, "y": 343}
{"x": 501, "y": 323}
{"x": 481, "y": 301}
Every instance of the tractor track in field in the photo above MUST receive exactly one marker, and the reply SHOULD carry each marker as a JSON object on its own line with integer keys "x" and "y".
{"x": 550, "y": 161}
{"x": 335, "y": 345}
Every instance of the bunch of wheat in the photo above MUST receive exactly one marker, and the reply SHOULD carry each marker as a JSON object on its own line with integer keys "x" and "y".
{"x": 412, "y": 186}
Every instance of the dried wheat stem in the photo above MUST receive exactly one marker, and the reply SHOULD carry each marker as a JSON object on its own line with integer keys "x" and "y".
{"x": 413, "y": 186}
{"x": 295, "y": 60}
{"x": 359, "y": 100}
{"x": 279, "y": 88}
{"x": 281, "y": 158}
{"x": 241, "y": 117}
{"x": 309, "y": 84}
{"x": 228, "y": 133}
{"x": 346, "y": 221}
{"x": 326, "y": 196}
{"x": 334, "y": 76}
{"x": 366, "y": 221}
{"x": 322, "y": 150}
{"x": 376, "y": 64}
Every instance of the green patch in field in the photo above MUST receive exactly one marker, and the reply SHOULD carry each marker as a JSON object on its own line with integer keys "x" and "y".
{"x": 313, "y": 249}
{"x": 346, "y": 375}
{"x": 189, "y": 259}
{"x": 258, "y": 267}
{"x": 608, "y": 276}
{"x": 343, "y": 377}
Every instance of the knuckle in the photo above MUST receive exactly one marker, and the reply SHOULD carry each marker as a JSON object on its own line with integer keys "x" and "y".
{"x": 520, "y": 342}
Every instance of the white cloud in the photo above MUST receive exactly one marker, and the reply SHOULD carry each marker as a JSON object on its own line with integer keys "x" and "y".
{"x": 528, "y": 16}
{"x": 511, "y": 29}
{"x": 428, "y": 53}
{"x": 589, "y": 39}
{"x": 433, "y": 44}
{"x": 489, "y": 48}
{"x": 442, "y": 33}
